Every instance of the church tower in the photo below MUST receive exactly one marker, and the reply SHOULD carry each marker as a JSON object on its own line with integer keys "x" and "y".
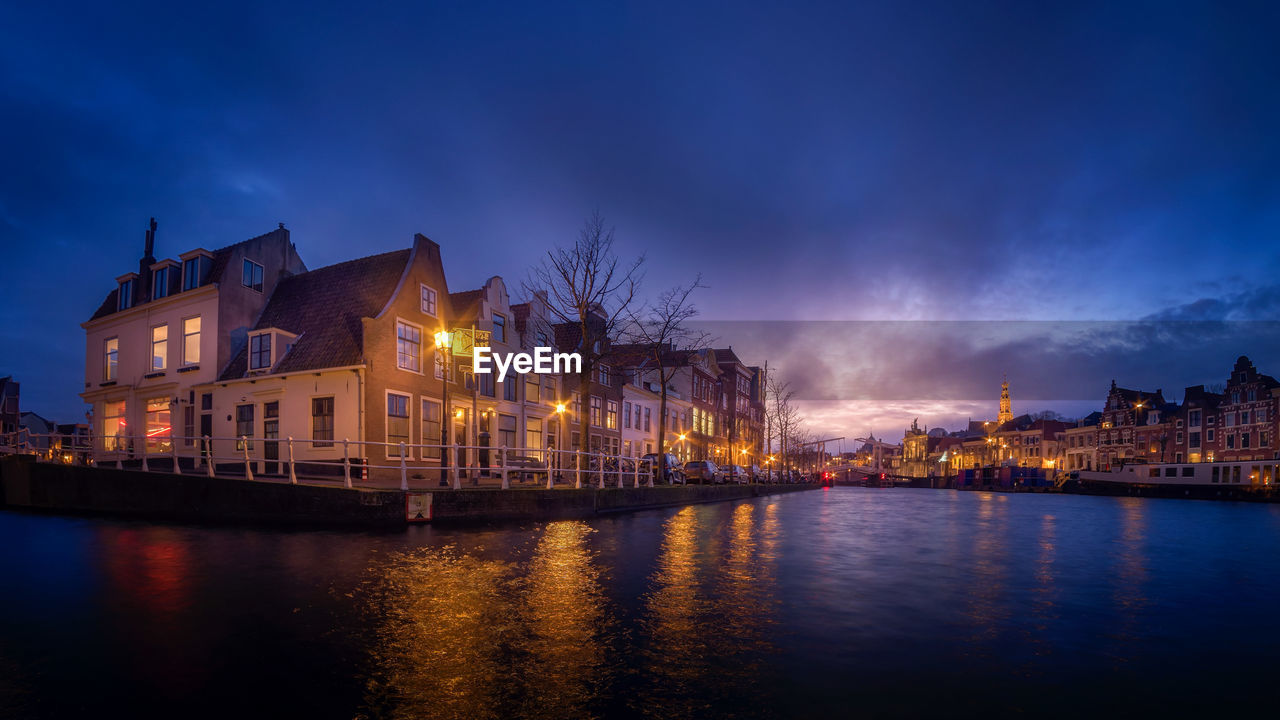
{"x": 1006, "y": 407}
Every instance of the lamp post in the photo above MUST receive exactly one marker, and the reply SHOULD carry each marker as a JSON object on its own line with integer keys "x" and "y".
{"x": 559, "y": 458}
{"x": 444, "y": 345}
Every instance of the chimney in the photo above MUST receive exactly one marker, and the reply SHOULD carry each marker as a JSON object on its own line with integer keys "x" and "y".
{"x": 144, "y": 265}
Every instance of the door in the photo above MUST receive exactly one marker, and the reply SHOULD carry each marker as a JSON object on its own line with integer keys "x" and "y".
{"x": 271, "y": 435}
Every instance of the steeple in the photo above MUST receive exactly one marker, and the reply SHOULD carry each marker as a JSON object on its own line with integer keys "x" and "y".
{"x": 1006, "y": 407}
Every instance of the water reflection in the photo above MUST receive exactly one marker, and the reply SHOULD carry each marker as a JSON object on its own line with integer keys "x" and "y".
{"x": 461, "y": 636}
{"x": 562, "y": 614}
{"x": 1130, "y": 600}
{"x": 986, "y": 609}
{"x": 708, "y": 619}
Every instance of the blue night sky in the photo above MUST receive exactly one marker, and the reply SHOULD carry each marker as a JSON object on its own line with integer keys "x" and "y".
{"x": 844, "y": 161}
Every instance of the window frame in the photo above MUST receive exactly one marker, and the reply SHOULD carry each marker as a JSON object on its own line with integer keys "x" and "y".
{"x": 164, "y": 342}
{"x": 399, "y": 339}
{"x": 186, "y": 360}
{"x": 254, "y": 272}
{"x": 255, "y": 354}
{"x": 321, "y": 442}
{"x": 392, "y": 448}
{"x": 427, "y": 296}
{"x": 111, "y": 359}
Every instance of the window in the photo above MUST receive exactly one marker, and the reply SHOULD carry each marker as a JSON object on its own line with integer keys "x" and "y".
{"x": 486, "y": 383}
{"x": 500, "y": 329}
{"x": 1244, "y": 440}
{"x": 595, "y": 410}
{"x": 531, "y": 385}
{"x": 431, "y": 428}
{"x": 408, "y": 347}
{"x": 1229, "y": 419}
{"x": 604, "y": 375}
{"x": 244, "y": 425}
{"x": 1193, "y": 418}
{"x": 159, "y": 283}
{"x": 1253, "y": 395}
{"x": 194, "y": 271}
{"x": 1193, "y": 440}
{"x": 507, "y": 431}
{"x": 427, "y": 300}
{"x": 322, "y": 422}
{"x": 646, "y": 419}
{"x": 125, "y": 297}
{"x": 260, "y": 351}
{"x": 533, "y": 436}
{"x": 637, "y": 422}
{"x": 1208, "y": 435}
{"x": 206, "y": 401}
{"x": 191, "y": 341}
{"x": 1244, "y": 417}
{"x": 159, "y": 346}
{"x": 397, "y": 423}
{"x": 188, "y": 425}
{"x": 548, "y": 389}
{"x": 626, "y": 415}
{"x": 114, "y": 426}
{"x": 577, "y": 408}
{"x": 111, "y": 359}
{"x": 510, "y": 390}
{"x": 251, "y": 276}
{"x": 611, "y": 415}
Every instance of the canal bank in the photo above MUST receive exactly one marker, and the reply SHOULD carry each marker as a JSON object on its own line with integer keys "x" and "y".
{"x": 44, "y": 487}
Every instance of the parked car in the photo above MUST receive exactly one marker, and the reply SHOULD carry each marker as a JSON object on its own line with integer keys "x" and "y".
{"x": 674, "y": 475}
{"x": 757, "y": 474}
{"x": 736, "y": 474}
{"x": 702, "y": 471}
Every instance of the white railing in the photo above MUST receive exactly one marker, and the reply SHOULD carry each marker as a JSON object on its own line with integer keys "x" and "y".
{"x": 365, "y": 462}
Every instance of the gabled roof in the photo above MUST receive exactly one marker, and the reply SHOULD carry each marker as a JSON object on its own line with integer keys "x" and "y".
{"x": 324, "y": 308}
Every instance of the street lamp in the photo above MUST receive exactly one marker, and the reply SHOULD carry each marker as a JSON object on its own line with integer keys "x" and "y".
{"x": 551, "y": 482}
{"x": 444, "y": 345}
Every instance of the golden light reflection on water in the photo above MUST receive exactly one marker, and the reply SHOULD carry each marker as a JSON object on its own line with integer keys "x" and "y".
{"x": 460, "y": 636}
{"x": 708, "y": 614}
{"x": 1131, "y": 570}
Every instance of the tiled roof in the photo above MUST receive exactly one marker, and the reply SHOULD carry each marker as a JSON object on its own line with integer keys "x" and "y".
{"x": 324, "y": 307}
{"x": 466, "y": 304}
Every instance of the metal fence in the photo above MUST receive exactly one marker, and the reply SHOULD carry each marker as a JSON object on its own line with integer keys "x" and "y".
{"x": 363, "y": 463}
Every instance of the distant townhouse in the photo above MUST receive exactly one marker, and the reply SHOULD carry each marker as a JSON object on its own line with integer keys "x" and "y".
{"x": 1247, "y": 415}
{"x": 1194, "y": 427}
{"x": 169, "y": 327}
{"x": 1126, "y": 414}
{"x": 739, "y": 387}
{"x": 1079, "y": 444}
{"x": 642, "y": 401}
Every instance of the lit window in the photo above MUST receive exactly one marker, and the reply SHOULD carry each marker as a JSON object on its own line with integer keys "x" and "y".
{"x": 114, "y": 426}
{"x": 191, "y": 341}
{"x": 428, "y": 300}
{"x": 251, "y": 277}
{"x": 260, "y": 351}
{"x": 408, "y": 347}
{"x": 159, "y": 346}
{"x": 111, "y": 360}
{"x": 611, "y": 415}
{"x": 595, "y": 410}
{"x": 158, "y": 426}
{"x": 499, "y": 328}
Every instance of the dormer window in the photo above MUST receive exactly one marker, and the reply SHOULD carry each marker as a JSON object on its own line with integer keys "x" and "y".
{"x": 260, "y": 352}
{"x": 164, "y": 279}
{"x": 251, "y": 277}
{"x": 128, "y": 285}
{"x": 195, "y": 268}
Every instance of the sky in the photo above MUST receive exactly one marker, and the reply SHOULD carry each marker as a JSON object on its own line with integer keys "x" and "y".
{"x": 873, "y": 192}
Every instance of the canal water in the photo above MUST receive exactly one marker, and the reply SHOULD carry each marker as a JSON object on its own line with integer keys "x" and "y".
{"x": 844, "y": 602}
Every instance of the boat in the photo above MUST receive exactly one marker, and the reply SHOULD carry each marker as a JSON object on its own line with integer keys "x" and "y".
{"x": 1227, "y": 480}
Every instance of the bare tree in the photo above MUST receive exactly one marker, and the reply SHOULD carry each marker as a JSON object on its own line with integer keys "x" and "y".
{"x": 665, "y": 338}
{"x": 782, "y": 417}
{"x": 585, "y": 285}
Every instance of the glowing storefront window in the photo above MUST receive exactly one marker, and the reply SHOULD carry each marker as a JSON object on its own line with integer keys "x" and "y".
{"x": 159, "y": 429}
